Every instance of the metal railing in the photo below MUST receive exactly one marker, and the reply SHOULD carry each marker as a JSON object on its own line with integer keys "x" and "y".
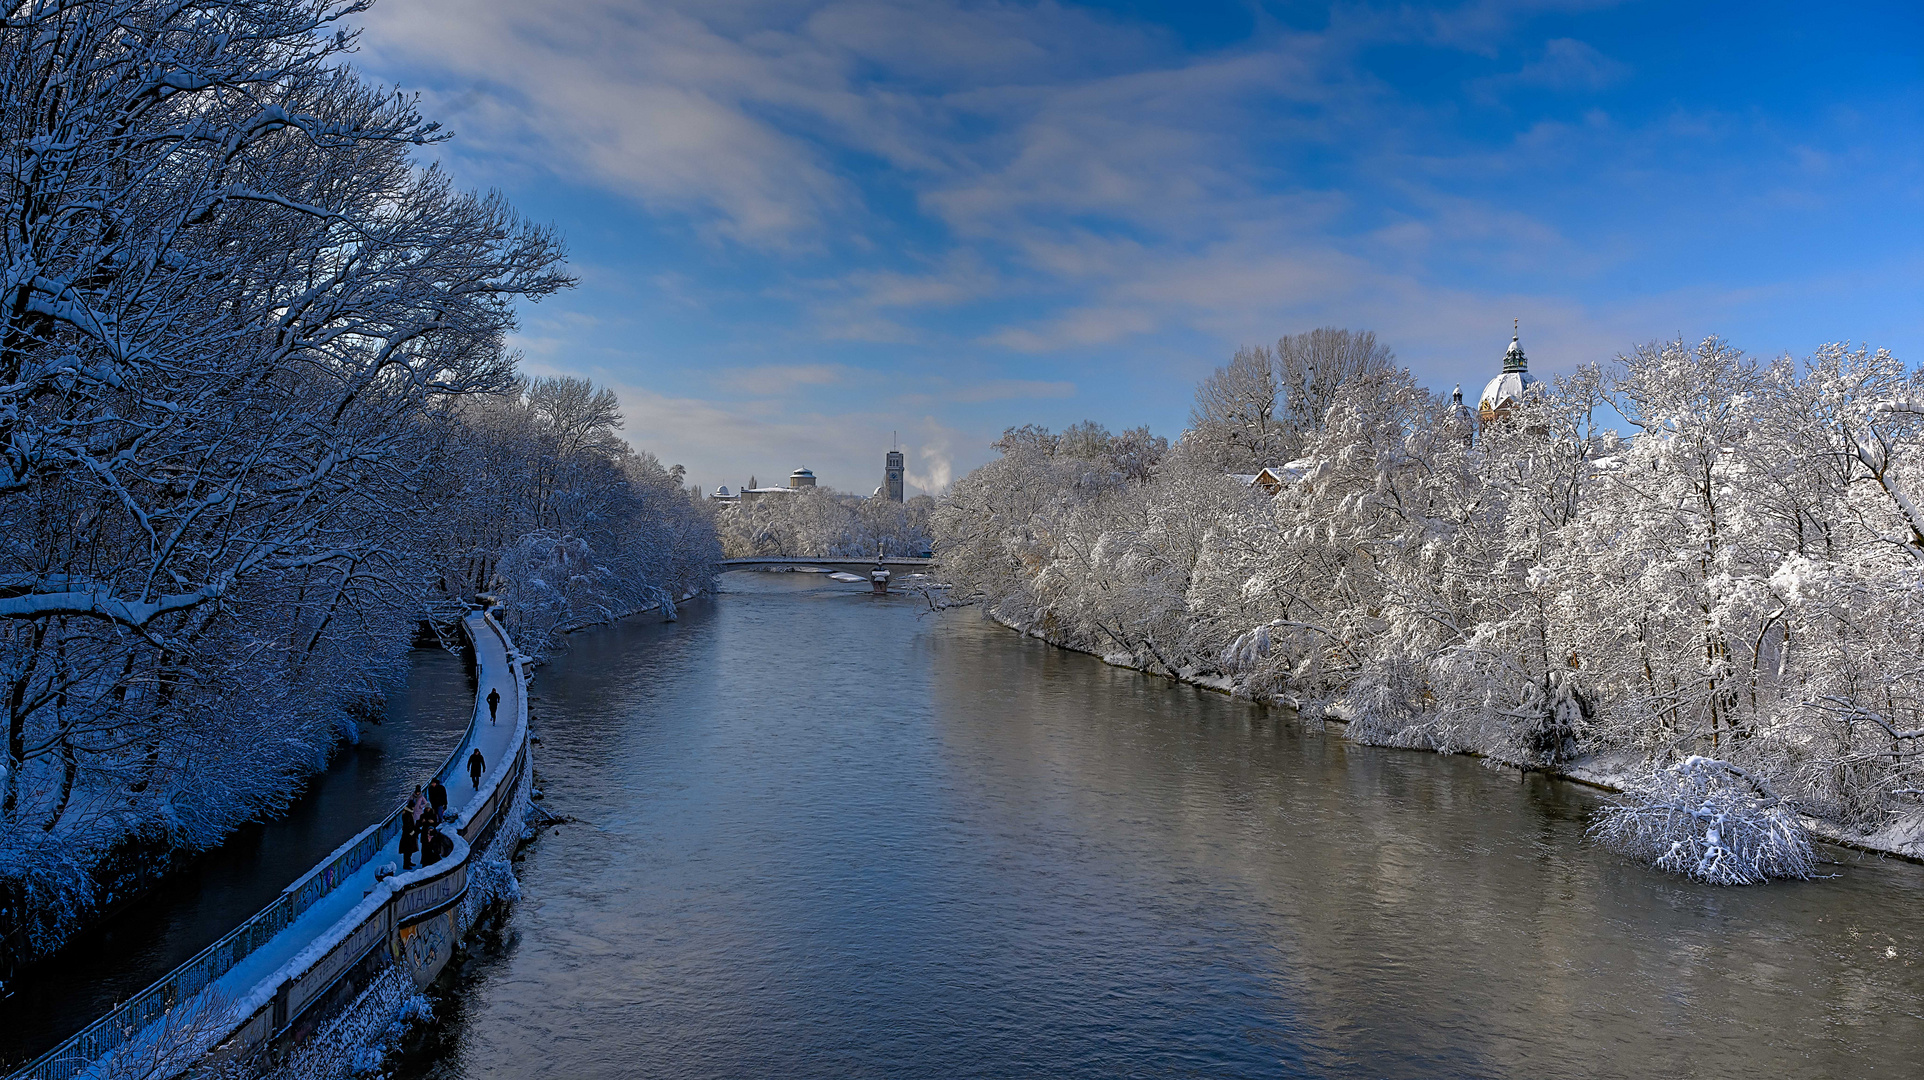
{"x": 135, "y": 1015}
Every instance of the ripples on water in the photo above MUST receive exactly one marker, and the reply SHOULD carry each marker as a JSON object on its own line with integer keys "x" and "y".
{"x": 824, "y": 836}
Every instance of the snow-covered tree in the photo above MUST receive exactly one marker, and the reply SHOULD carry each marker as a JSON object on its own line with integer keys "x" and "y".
{"x": 240, "y": 324}
{"x": 1738, "y": 579}
{"x": 1708, "y": 820}
{"x": 821, "y": 522}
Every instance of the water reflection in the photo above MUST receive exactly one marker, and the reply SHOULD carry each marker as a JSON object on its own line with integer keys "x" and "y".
{"x": 828, "y": 836}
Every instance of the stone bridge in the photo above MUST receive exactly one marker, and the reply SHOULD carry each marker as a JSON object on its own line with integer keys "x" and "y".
{"x": 896, "y": 566}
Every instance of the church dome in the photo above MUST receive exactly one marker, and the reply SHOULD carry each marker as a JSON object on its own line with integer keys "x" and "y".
{"x": 1504, "y": 391}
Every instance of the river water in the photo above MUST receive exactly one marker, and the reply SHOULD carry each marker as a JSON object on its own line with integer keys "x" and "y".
{"x": 420, "y": 725}
{"x": 825, "y": 836}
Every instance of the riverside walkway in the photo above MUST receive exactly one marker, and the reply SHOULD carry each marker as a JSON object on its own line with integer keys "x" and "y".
{"x": 284, "y": 971}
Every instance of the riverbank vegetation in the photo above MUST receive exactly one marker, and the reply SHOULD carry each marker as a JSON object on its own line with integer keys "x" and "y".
{"x": 822, "y": 523}
{"x": 1738, "y": 578}
{"x": 543, "y": 506}
{"x": 257, "y": 425}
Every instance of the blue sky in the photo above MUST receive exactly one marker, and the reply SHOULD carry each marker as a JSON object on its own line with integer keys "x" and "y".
{"x": 800, "y": 226}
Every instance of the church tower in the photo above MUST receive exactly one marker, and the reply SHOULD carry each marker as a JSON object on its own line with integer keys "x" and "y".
{"x": 892, "y": 472}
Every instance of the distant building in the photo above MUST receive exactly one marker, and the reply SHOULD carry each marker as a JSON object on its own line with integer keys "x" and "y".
{"x": 1501, "y": 396}
{"x": 722, "y": 494}
{"x": 1272, "y": 479}
{"x": 797, "y": 480}
{"x": 892, "y": 473}
{"x": 756, "y": 494}
{"x": 1461, "y": 419}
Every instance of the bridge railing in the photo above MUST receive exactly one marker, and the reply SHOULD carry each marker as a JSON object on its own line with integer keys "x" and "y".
{"x": 900, "y": 562}
{"x": 130, "y": 1019}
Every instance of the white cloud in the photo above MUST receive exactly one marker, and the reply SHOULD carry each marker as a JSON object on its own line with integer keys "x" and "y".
{"x": 983, "y": 390}
{"x": 934, "y": 459}
{"x": 650, "y": 101}
{"x": 1077, "y": 328}
{"x": 933, "y": 206}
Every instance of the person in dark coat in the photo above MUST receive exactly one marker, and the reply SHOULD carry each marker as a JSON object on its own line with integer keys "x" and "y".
{"x": 494, "y": 704}
{"x": 410, "y": 829}
{"x": 476, "y": 766}
{"x": 438, "y": 797}
{"x": 431, "y": 838}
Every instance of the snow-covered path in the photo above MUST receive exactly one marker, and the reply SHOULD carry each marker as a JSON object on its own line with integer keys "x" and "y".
{"x": 256, "y": 978}
{"x": 242, "y": 992}
{"x": 496, "y": 739}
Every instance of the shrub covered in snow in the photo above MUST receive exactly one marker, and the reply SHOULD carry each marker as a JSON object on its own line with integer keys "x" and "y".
{"x": 493, "y": 880}
{"x": 358, "y": 1040}
{"x": 1710, "y": 821}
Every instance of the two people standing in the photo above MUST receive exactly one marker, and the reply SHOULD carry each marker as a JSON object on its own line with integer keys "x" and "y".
{"x": 421, "y": 819}
{"x": 417, "y": 816}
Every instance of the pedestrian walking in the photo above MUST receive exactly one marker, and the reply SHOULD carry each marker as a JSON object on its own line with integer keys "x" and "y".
{"x": 411, "y": 828}
{"x": 494, "y": 704}
{"x": 476, "y": 765}
{"x": 438, "y": 797}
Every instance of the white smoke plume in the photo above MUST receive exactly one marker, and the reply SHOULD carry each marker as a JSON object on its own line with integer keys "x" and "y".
{"x": 936, "y": 461}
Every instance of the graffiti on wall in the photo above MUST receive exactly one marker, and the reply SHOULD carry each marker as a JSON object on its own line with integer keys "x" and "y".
{"x": 427, "y": 945}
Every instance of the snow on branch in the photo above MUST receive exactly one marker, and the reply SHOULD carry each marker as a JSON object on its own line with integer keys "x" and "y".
{"x": 1710, "y": 821}
{"x": 237, "y": 466}
{"x": 97, "y": 605}
{"x": 1742, "y": 578}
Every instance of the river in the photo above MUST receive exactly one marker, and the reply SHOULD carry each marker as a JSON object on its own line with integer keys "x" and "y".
{"x": 821, "y": 835}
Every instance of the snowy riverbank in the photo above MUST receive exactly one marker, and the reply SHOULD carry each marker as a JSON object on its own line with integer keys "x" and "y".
{"x": 1902, "y": 838}
{"x": 309, "y": 957}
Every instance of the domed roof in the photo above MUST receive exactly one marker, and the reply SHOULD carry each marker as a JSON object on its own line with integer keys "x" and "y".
{"x": 1506, "y": 389}
{"x": 801, "y": 472}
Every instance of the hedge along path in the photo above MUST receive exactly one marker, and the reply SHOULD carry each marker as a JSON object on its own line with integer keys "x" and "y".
{"x": 273, "y": 980}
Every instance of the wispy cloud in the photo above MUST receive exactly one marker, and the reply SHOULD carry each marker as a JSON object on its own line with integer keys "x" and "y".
{"x": 1565, "y": 66}
{"x": 779, "y": 378}
{"x": 861, "y": 210}
{"x": 932, "y": 391}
